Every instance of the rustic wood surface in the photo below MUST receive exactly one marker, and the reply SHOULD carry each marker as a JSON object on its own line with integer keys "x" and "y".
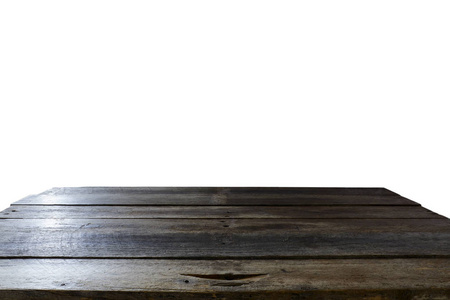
{"x": 224, "y": 238}
{"x": 212, "y": 199}
{"x": 214, "y": 212}
{"x": 170, "y": 278}
{"x": 221, "y": 190}
{"x": 222, "y": 243}
{"x": 215, "y": 197}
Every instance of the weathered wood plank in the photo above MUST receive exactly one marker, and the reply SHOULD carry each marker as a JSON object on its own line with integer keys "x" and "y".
{"x": 224, "y": 238}
{"x": 224, "y": 279}
{"x": 223, "y": 190}
{"x": 275, "y": 237}
{"x": 251, "y": 212}
{"x": 169, "y": 199}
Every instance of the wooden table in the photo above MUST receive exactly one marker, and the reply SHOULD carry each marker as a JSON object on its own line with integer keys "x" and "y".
{"x": 223, "y": 243}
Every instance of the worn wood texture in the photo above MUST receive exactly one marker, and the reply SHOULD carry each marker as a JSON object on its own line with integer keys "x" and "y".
{"x": 202, "y": 212}
{"x": 213, "y": 196}
{"x": 224, "y": 279}
{"x": 220, "y": 190}
{"x": 224, "y": 238}
{"x": 271, "y": 199}
{"x": 222, "y": 243}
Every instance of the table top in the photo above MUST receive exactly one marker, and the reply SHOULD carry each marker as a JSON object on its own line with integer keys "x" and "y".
{"x": 223, "y": 243}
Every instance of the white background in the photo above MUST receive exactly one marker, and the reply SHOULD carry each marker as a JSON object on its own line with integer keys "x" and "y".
{"x": 226, "y": 93}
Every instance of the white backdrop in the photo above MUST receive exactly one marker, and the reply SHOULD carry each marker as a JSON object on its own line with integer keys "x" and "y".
{"x": 226, "y": 93}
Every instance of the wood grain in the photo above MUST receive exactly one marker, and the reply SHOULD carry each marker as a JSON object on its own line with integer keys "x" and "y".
{"x": 233, "y": 212}
{"x": 168, "y": 199}
{"x": 221, "y": 190}
{"x": 225, "y": 238}
{"x": 182, "y": 279}
{"x": 223, "y": 243}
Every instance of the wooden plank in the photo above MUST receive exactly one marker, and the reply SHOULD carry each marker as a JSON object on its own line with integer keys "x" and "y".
{"x": 168, "y": 199}
{"x": 225, "y": 279}
{"x": 223, "y": 190}
{"x": 236, "y": 212}
{"x": 225, "y": 238}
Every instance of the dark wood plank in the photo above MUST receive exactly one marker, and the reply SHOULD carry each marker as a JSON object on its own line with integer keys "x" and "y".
{"x": 225, "y": 238}
{"x": 135, "y": 279}
{"x": 236, "y": 212}
{"x": 143, "y": 199}
{"x": 223, "y": 190}
{"x": 285, "y": 243}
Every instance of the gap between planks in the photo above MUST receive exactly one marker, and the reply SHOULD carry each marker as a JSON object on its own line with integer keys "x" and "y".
{"x": 238, "y": 258}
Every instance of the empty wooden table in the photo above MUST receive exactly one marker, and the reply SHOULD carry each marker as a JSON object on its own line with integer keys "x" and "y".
{"x": 222, "y": 243}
